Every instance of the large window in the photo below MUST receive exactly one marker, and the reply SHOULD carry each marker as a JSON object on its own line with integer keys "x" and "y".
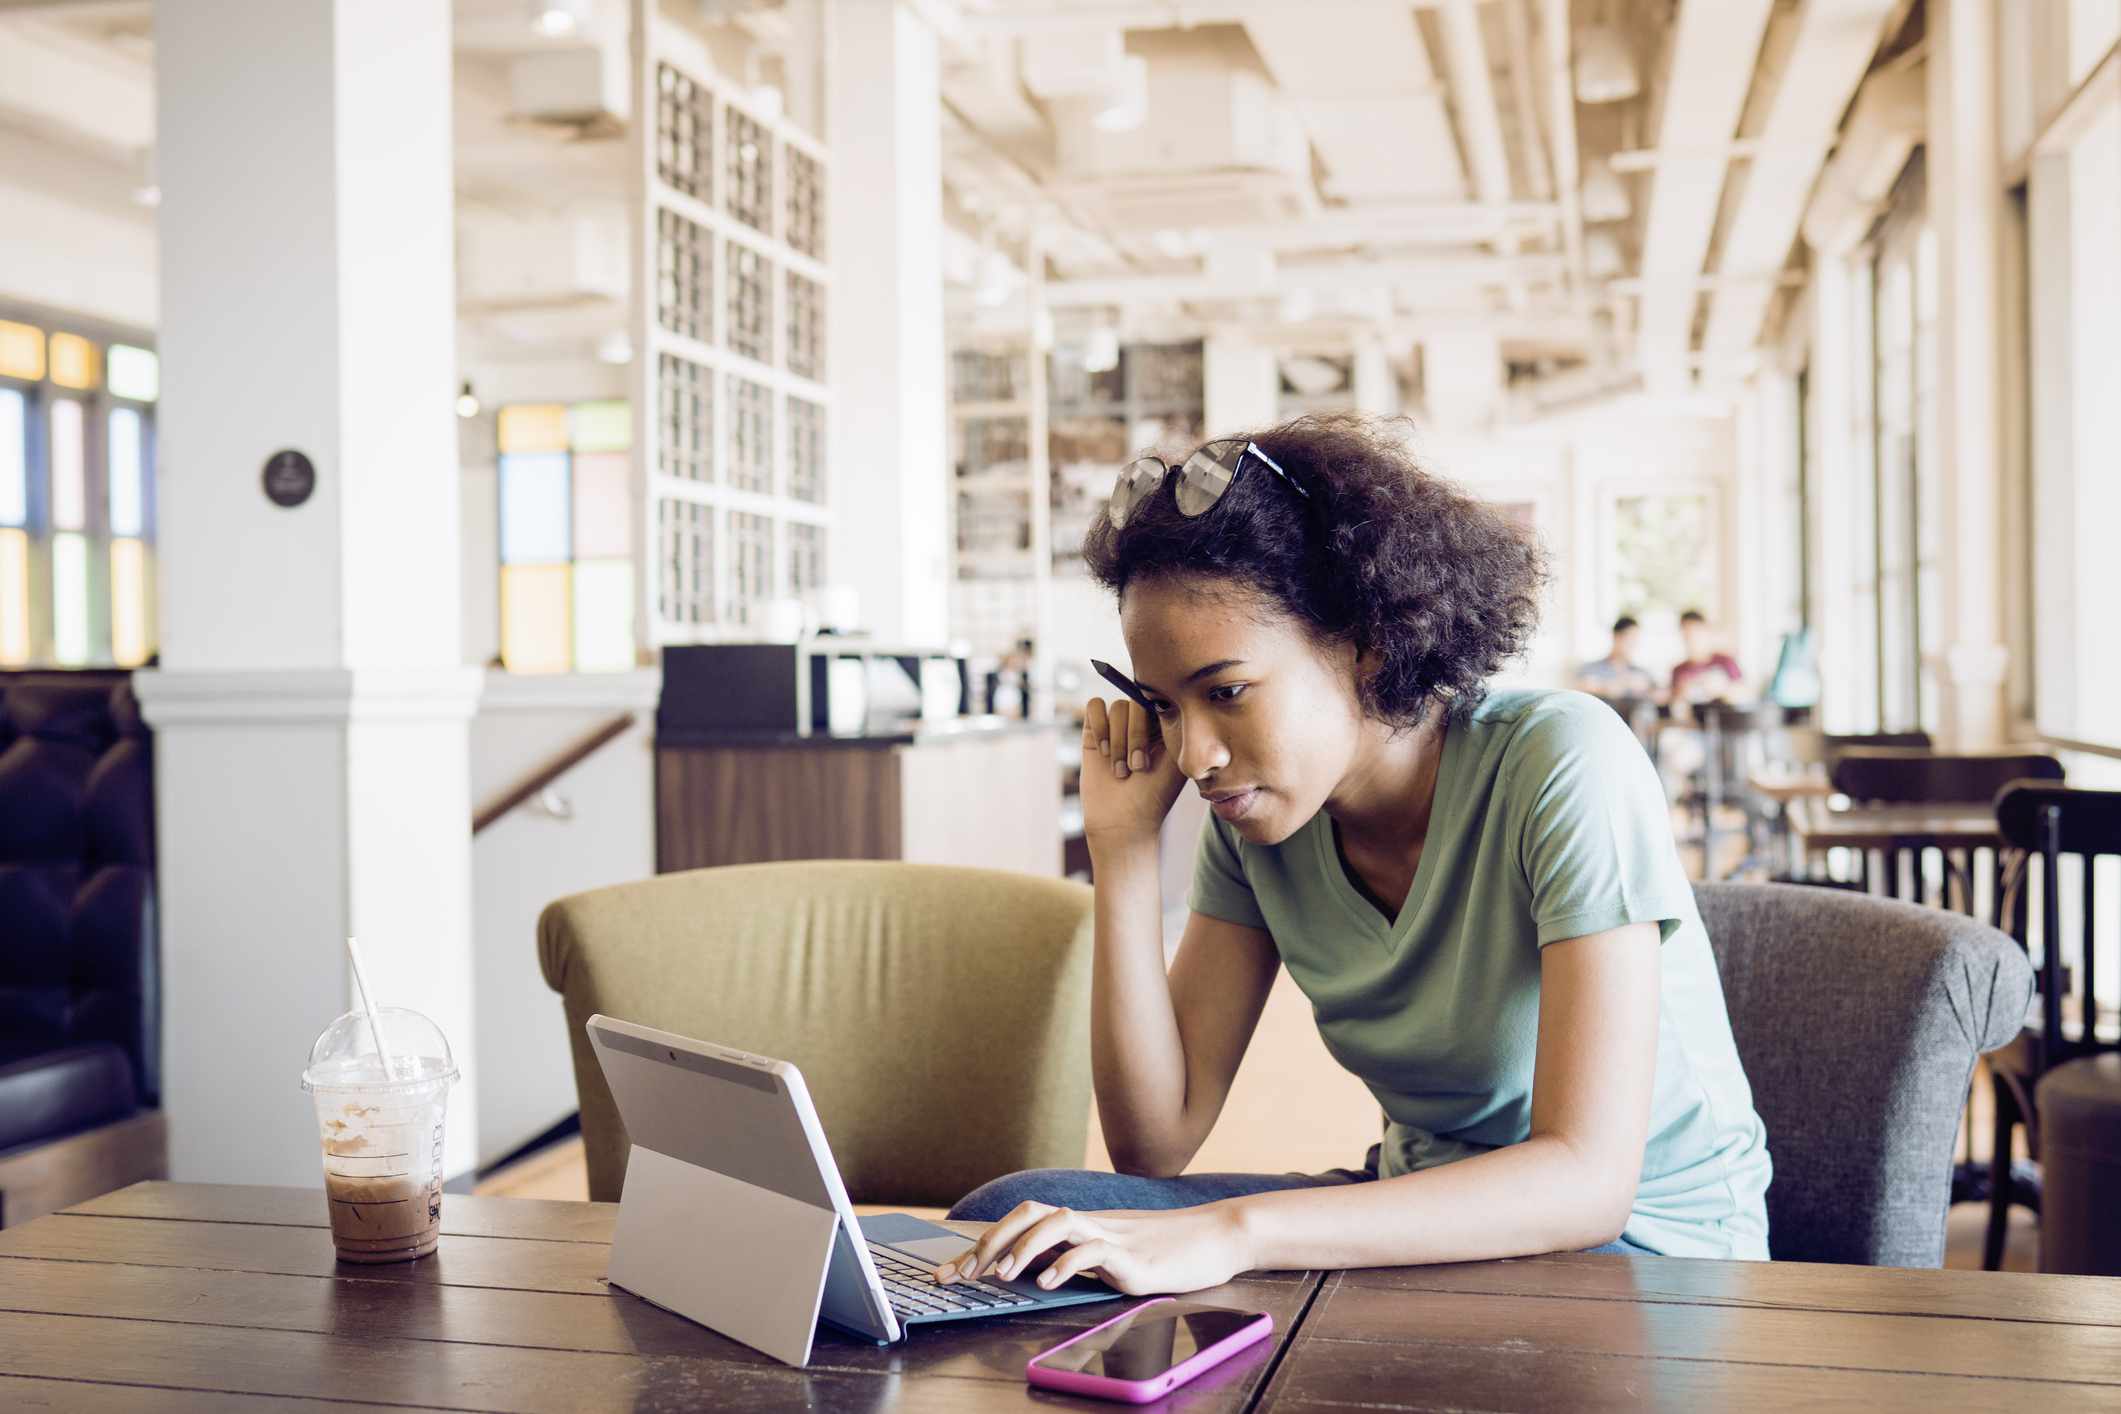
{"x": 77, "y": 464}
{"x": 1908, "y": 528}
{"x": 2074, "y": 339}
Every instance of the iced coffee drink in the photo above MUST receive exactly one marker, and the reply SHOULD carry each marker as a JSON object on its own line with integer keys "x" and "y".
{"x": 382, "y": 1133}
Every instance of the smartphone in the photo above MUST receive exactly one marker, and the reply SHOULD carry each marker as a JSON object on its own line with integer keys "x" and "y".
{"x": 1145, "y": 1353}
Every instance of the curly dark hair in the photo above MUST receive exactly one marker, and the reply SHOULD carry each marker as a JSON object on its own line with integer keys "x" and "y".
{"x": 1382, "y": 554}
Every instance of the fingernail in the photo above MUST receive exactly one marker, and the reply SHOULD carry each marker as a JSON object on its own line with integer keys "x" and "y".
{"x": 1049, "y": 1279}
{"x": 1139, "y": 761}
{"x": 1119, "y": 769}
{"x": 1002, "y": 1268}
{"x": 1105, "y": 747}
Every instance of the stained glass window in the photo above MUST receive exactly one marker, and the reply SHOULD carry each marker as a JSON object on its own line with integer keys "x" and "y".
{"x": 125, "y": 471}
{"x": 14, "y": 457}
{"x": 566, "y": 536}
{"x": 134, "y": 373}
{"x": 69, "y": 465}
{"x": 21, "y": 351}
{"x": 77, "y": 497}
{"x": 74, "y": 362}
{"x": 14, "y": 598}
{"x": 70, "y": 598}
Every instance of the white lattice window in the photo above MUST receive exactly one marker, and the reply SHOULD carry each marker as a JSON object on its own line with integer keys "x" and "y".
{"x": 734, "y": 440}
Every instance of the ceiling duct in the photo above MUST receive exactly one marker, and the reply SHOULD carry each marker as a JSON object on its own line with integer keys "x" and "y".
{"x": 1218, "y": 146}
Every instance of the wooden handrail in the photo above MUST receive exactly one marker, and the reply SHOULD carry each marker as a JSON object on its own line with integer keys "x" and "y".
{"x": 559, "y": 766}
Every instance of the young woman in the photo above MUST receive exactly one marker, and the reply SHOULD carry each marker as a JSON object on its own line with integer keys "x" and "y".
{"x": 1478, "y": 891}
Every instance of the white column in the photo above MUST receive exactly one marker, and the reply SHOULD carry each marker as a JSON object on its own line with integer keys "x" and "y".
{"x": 890, "y": 446}
{"x": 311, "y": 773}
{"x": 1834, "y": 476}
{"x": 1376, "y": 387}
{"x": 1241, "y": 385}
{"x": 1965, "y": 200}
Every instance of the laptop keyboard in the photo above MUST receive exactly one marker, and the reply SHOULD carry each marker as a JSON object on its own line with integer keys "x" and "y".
{"x": 914, "y": 1291}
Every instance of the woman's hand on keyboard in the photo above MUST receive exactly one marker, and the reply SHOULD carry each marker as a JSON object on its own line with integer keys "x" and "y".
{"x": 1141, "y": 1253}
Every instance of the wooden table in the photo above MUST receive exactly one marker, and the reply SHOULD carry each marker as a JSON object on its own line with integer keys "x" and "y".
{"x": 182, "y": 1297}
{"x": 1956, "y": 831}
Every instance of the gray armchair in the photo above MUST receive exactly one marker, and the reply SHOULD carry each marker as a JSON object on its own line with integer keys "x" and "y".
{"x": 1858, "y": 1020}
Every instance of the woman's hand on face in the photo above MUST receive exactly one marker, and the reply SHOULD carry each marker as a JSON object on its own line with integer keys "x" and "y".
{"x": 1140, "y": 1253}
{"x": 1130, "y": 778}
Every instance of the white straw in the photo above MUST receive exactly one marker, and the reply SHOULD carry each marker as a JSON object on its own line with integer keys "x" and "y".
{"x": 375, "y": 1027}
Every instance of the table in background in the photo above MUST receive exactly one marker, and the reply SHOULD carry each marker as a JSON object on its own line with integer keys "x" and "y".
{"x": 1950, "y": 829}
{"x": 1786, "y": 785}
{"x": 193, "y": 1296}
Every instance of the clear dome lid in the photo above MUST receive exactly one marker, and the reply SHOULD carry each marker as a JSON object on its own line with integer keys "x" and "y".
{"x": 345, "y": 1052}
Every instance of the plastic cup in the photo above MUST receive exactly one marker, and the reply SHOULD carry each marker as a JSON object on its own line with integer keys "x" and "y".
{"x": 382, "y": 1133}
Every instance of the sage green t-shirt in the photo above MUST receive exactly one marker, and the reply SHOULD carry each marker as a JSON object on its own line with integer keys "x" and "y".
{"x": 1548, "y": 823}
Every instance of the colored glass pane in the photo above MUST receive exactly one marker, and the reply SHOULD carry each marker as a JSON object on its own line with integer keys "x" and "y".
{"x": 603, "y": 616}
{"x": 534, "y": 618}
{"x": 21, "y": 351}
{"x": 128, "y": 603}
{"x": 601, "y": 427}
{"x": 69, "y": 472}
{"x": 533, "y": 427}
{"x": 603, "y": 505}
{"x": 125, "y": 472}
{"x": 70, "y": 598}
{"x": 74, "y": 363}
{"x": 534, "y": 508}
{"x": 14, "y": 598}
{"x": 135, "y": 373}
{"x": 14, "y": 458}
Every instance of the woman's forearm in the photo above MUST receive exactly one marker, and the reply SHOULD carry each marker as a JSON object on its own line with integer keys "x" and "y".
{"x": 1521, "y": 1200}
{"x": 1137, "y": 1057}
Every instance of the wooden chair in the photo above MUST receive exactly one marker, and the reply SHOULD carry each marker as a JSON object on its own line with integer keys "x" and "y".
{"x": 1888, "y": 775}
{"x": 2048, "y": 821}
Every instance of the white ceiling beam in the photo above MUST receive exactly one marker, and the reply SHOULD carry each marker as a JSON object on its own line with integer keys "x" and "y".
{"x": 1480, "y": 115}
{"x": 1555, "y": 46}
{"x": 1360, "y": 77}
{"x": 1337, "y": 275}
{"x": 1402, "y": 223}
{"x": 1044, "y": 17}
{"x": 74, "y": 90}
{"x": 1523, "y": 59}
{"x": 1834, "y": 45}
{"x": 1714, "y": 46}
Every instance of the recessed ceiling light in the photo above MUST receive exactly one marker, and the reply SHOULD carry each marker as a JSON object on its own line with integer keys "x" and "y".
{"x": 555, "y": 18}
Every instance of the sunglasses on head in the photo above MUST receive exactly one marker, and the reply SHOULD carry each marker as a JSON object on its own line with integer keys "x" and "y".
{"x": 1201, "y": 480}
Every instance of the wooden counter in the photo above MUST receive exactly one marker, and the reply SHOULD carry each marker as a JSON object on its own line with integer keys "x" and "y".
{"x": 985, "y": 794}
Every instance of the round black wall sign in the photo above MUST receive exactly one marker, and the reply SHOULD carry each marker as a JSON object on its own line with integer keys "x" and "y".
{"x": 289, "y": 478}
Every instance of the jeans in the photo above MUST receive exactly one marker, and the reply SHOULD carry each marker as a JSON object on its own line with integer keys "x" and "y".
{"x": 1088, "y": 1191}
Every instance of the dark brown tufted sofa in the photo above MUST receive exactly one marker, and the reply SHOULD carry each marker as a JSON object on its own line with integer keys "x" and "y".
{"x": 80, "y": 1037}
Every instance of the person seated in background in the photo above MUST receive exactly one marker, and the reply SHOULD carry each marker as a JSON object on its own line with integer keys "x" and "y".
{"x": 1617, "y": 675}
{"x": 1706, "y": 674}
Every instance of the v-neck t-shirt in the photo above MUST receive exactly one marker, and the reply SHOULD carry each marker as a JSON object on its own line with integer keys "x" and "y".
{"x": 1548, "y": 823}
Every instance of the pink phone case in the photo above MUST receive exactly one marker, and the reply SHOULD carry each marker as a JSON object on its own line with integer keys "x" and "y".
{"x": 1156, "y": 1386}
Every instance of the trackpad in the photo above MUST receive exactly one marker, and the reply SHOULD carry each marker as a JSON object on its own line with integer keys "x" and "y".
{"x": 916, "y": 1237}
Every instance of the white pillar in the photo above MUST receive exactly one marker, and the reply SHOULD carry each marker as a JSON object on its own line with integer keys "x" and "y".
{"x": 890, "y": 446}
{"x": 1376, "y": 386}
{"x": 1839, "y": 437}
{"x": 311, "y": 774}
{"x": 1241, "y": 385}
{"x": 1965, "y": 201}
